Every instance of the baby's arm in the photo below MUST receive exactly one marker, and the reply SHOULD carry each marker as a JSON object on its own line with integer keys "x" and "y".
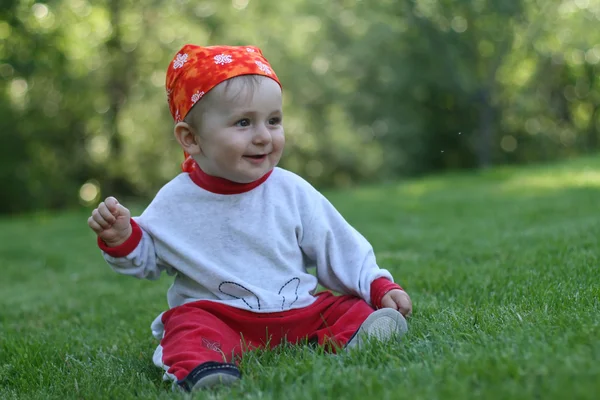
{"x": 126, "y": 247}
{"x": 345, "y": 259}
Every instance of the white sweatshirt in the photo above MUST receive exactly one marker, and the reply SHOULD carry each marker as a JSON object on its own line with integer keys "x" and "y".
{"x": 251, "y": 250}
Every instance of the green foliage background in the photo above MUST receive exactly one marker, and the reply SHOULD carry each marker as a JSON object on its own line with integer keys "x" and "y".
{"x": 374, "y": 90}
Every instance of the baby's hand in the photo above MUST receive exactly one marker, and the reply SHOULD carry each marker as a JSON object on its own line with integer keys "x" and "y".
{"x": 111, "y": 222}
{"x": 398, "y": 300}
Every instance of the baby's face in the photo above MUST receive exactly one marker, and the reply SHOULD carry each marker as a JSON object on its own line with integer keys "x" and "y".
{"x": 241, "y": 132}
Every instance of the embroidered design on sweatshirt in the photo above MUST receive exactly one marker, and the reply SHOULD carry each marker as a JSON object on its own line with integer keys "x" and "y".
{"x": 288, "y": 289}
{"x": 288, "y": 292}
{"x": 239, "y": 292}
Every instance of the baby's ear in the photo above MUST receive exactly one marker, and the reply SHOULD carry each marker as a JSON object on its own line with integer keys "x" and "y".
{"x": 186, "y": 137}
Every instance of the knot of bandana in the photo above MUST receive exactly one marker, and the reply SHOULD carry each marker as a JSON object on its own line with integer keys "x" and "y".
{"x": 195, "y": 70}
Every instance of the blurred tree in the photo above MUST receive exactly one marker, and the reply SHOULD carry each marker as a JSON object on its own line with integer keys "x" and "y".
{"x": 120, "y": 78}
{"x": 372, "y": 90}
{"x": 553, "y": 107}
{"x": 432, "y": 77}
{"x": 41, "y": 137}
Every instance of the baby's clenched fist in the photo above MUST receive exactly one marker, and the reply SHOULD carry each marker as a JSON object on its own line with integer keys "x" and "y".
{"x": 398, "y": 300}
{"x": 111, "y": 222}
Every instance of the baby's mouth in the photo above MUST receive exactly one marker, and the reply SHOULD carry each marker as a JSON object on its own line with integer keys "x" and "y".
{"x": 256, "y": 158}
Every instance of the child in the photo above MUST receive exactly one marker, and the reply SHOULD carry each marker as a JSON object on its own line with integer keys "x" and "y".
{"x": 240, "y": 234}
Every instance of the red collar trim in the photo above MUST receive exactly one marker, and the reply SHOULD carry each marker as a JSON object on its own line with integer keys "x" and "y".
{"x": 219, "y": 185}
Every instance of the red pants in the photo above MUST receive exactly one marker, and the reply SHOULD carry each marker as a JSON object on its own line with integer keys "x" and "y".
{"x": 203, "y": 331}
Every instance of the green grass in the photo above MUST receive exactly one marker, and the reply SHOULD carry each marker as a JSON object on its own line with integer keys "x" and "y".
{"x": 502, "y": 267}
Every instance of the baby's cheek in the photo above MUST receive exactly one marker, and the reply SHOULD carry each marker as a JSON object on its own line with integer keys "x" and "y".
{"x": 233, "y": 153}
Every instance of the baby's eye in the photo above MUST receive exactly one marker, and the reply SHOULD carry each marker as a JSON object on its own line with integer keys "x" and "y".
{"x": 243, "y": 123}
{"x": 275, "y": 121}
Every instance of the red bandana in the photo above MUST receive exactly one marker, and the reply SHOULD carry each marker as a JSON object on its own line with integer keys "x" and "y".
{"x": 195, "y": 70}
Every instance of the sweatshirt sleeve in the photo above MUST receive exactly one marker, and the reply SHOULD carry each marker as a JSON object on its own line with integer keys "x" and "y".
{"x": 344, "y": 259}
{"x": 135, "y": 257}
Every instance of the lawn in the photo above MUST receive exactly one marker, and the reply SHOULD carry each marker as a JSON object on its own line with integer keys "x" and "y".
{"x": 502, "y": 267}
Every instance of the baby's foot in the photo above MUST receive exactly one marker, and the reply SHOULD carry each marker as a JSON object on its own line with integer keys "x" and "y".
{"x": 210, "y": 374}
{"x": 382, "y": 325}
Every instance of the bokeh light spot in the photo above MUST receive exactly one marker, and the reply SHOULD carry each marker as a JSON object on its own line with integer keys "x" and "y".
{"x": 508, "y": 143}
{"x": 567, "y": 137}
{"x": 532, "y": 126}
{"x": 205, "y": 10}
{"x": 240, "y": 4}
{"x": 101, "y": 105}
{"x": 312, "y": 24}
{"x": 592, "y": 56}
{"x": 380, "y": 128}
{"x": 89, "y": 193}
{"x": 158, "y": 78}
{"x": 19, "y": 87}
{"x": 314, "y": 168}
{"x": 577, "y": 57}
{"x": 81, "y": 7}
{"x": 459, "y": 24}
{"x": 4, "y": 30}
{"x": 347, "y": 18}
{"x": 40, "y": 11}
{"x": 97, "y": 148}
{"x": 486, "y": 48}
{"x": 320, "y": 65}
{"x": 6, "y": 70}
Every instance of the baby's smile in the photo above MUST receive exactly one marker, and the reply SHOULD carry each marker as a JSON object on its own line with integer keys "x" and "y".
{"x": 256, "y": 158}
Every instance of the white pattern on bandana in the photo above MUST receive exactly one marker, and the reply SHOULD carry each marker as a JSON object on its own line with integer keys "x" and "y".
{"x": 197, "y": 96}
{"x": 222, "y": 59}
{"x": 180, "y": 60}
{"x": 263, "y": 67}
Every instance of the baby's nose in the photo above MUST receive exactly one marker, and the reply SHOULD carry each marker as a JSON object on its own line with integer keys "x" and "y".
{"x": 262, "y": 134}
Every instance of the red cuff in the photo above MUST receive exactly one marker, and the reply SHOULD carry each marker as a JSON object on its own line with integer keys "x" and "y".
{"x": 379, "y": 287}
{"x": 125, "y": 248}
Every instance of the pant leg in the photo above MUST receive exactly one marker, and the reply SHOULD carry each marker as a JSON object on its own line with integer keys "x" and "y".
{"x": 193, "y": 336}
{"x": 340, "y": 321}
{"x": 330, "y": 321}
{"x": 329, "y": 318}
{"x": 203, "y": 331}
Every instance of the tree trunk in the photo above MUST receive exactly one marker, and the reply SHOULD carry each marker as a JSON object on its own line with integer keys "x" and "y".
{"x": 120, "y": 78}
{"x": 592, "y": 131}
{"x": 115, "y": 84}
{"x": 486, "y": 134}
